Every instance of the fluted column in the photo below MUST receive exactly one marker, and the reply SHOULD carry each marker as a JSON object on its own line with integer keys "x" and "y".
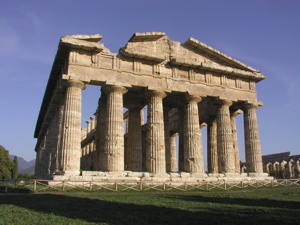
{"x": 114, "y": 146}
{"x": 155, "y": 152}
{"x": 93, "y": 123}
{"x": 235, "y": 141}
{"x": 100, "y": 132}
{"x": 193, "y": 155}
{"x": 173, "y": 158}
{"x": 167, "y": 138}
{"x": 252, "y": 141}
{"x": 224, "y": 137}
{"x": 88, "y": 130}
{"x": 60, "y": 132}
{"x": 71, "y": 147}
{"x": 297, "y": 168}
{"x": 181, "y": 138}
{"x": 134, "y": 138}
{"x": 212, "y": 148}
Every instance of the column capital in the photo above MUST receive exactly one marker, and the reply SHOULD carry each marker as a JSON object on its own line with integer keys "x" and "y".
{"x": 193, "y": 98}
{"x": 114, "y": 88}
{"x": 223, "y": 102}
{"x": 155, "y": 93}
{"x": 251, "y": 106}
{"x": 74, "y": 83}
{"x": 236, "y": 113}
{"x": 136, "y": 106}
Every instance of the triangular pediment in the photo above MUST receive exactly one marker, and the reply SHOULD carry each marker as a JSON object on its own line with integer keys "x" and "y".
{"x": 156, "y": 47}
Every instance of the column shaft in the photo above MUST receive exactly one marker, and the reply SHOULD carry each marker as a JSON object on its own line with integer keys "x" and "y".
{"x": 173, "y": 158}
{"x": 134, "y": 139}
{"x": 224, "y": 137}
{"x": 155, "y": 152}
{"x": 212, "y": 148}
{"x": 235, "y": 142}
{"x": 100, "y": 132}
{"x": 193, "y": 156}
{"x": 167, "y": 138}
{"x": 181, "y": 138}
{"x": 71, "y": 147}
{"x": 114, "y": 146}
{"x": 252, "y": 141}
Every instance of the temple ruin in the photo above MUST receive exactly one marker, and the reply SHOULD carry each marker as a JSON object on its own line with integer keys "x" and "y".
{"x": 178, "y": 87}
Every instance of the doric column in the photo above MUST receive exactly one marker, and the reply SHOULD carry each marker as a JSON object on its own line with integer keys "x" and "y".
{"x": 224, "y": 137}
{"x": 167, "y": 138}
{"x": 71, "y": 147}
{"x": 181, "y": 138}
{"x": 297, "y": 168}
{"x": 252, "y": 141}
{"x": 290, "y": 171}
{"x": 155, "y": 152}
{"x": 173, "y": 158}
{"x": 193, "y": 156}
{"x": 88, "y": 125}
{"x": 88, "y": 130}
{"x": 100, "y": 132}
{"x": 93, "y": 123}
{"x": 60, "y": 133}
{"x": 142, "y": 116}
{"x": 235, "y": 141}
{"x": 212, "y": 147}
{"x": 134, "y": 138}
{"x": 114, "y": 146}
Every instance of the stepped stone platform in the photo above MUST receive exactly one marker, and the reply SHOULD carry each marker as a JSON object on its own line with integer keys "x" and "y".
{"x": 176, "y": 178}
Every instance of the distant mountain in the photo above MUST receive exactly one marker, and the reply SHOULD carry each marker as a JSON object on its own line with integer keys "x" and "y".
{"x": 23, "y": 165}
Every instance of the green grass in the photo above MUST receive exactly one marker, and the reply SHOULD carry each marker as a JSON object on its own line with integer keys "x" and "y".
{"x": 255, "y": 206}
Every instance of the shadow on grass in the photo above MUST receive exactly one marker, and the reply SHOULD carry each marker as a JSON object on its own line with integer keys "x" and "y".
{"x": 262, "y": 202}
{"x": 100, "y": 211}
{"x": 16, "y": 189}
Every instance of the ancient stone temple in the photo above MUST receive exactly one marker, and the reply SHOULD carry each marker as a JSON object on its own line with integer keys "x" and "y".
{"x": 153, "y": 92}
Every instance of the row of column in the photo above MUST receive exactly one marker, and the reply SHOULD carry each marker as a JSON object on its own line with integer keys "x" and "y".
{"x": 110, "y": 134}
{"x": 283, "y": 169}
{"x": 223, "y": 153}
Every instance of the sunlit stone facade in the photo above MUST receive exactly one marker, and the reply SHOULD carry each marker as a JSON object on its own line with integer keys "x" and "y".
{"x": 179, "y": 87}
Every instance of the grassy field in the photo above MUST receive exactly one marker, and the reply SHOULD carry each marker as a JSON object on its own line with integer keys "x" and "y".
{"x": 259, "y": 206}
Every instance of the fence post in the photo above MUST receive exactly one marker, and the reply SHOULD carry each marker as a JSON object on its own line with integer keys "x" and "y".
{"x": 116, "y": 185}
{"x": 63, "y": 186}
{"x": 141, "y": 186}
{"x": 91, "y": 187}
{"x": 34, "y": 185}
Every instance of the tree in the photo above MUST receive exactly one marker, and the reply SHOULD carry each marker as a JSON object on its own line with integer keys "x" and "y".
{"x": 15, "y": 168}
{"x": 6, "y": 164}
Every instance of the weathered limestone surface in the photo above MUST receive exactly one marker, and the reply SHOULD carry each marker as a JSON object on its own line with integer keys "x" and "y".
{"x": 224, "y": 137}
{"x": 155, "y": 152}
{"x": 235, "y": 141}
{"x": 71, "y": 151}
{"x": 134, "y": 141}
{"x": 114, "y": 143}
{"x": 252, "y": 141}
{"x": 193, "y": 157}
{"x": 212, "y": 147}
{"x": 181, "y": 87}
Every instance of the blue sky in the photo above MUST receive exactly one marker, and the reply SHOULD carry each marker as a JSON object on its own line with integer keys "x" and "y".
{"x": 263, "y": 34}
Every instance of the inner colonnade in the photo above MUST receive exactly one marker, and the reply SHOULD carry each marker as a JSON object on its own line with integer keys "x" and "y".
{"x": 183, "y": 87}
{"x": 170, "y": 116}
